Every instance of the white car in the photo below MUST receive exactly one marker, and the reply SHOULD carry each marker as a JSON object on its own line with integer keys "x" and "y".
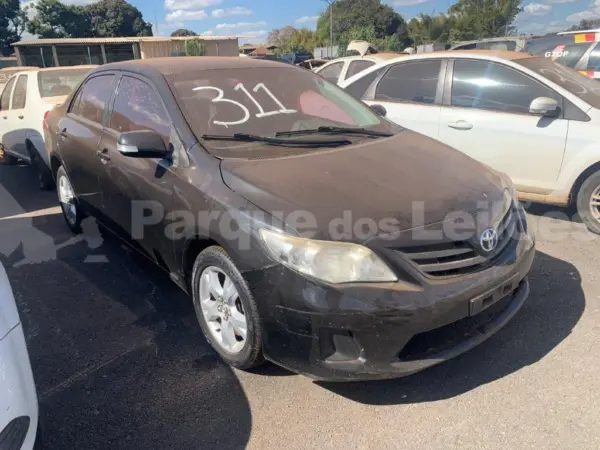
{"x": 26, "y": 99}
{"x": 534, "y": 119}
{"x": 340, "y": 69}
{"x": 18, "y": 398}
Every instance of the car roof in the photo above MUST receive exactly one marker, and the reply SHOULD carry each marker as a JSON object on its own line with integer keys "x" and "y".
{"x": 178, "y": 65}
{"x": 18, "y": 69}
{"x": 478, "y": 54}
{"x": 52, "y": 69}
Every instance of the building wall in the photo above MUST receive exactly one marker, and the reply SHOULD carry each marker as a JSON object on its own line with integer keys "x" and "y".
{"x": 227, "y": 47}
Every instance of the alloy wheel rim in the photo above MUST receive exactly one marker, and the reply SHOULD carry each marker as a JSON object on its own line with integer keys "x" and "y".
{"x": 66, "y": 197}
{"x": 222, "y": 309}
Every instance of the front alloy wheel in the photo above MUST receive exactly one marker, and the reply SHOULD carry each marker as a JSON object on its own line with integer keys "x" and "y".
{"x": 223, "y": 310}
{"x": 226, "y": 309}
{"x": 68, "y": 201}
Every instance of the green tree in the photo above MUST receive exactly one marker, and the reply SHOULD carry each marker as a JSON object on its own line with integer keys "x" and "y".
{"x": 117, "y": 18}
{"x": 54, "y": 19}
{"x": 194, "y": 48}
{"x": 183, "y": 32}
{"x": 586, "y": 24}
{"x": 426, "y": 29}
{"x": 301, "y": 40}
{"x": 106, "y": 18}
{"x": 477, "y": 19}
{"x": 361, "y": 15}
{"x": 12, "y": 22}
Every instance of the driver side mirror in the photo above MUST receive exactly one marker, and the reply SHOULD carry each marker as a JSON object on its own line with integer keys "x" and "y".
{"x": 544, "y": 106}
{"x": 378, "y": 109}
{"x": 142, "y": 144}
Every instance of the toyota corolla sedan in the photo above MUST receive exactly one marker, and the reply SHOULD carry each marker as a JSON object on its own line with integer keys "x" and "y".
{"x": 309, "y": 230}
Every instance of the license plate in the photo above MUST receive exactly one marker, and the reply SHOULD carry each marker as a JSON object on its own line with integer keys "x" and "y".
{"x": 487, "y": 299}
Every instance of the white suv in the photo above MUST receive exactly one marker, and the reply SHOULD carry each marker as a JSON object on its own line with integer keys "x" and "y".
{"x": 527, "y": 116}
{"x": 26, "y": 99}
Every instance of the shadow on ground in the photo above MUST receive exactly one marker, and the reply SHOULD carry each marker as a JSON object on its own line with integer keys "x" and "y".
{"x": 118, "y": 357}
{"x": 554, "y": 307}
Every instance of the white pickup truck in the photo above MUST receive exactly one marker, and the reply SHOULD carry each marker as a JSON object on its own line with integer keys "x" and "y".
{"x": 26, "y": 99}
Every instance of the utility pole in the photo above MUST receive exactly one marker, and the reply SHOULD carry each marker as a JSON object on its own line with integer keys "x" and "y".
{"x": 156, "y": 26}
{"x": 330, "y": 3}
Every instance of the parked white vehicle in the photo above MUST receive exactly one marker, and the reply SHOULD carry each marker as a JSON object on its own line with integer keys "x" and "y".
{"x": 340, "y": 69}
{"x": 26, "y": 99}
{"x": 18, "y": 398}
{"x": 534, "y": 119}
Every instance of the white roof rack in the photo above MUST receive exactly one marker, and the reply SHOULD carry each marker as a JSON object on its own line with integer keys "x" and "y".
{"x": 597, "y": 30}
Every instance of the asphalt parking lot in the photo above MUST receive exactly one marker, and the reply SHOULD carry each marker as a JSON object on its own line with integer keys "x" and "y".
{"x": 120, "y": 362}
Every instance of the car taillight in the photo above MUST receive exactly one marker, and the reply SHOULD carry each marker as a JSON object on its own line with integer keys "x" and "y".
{"x": 44, "y": 124}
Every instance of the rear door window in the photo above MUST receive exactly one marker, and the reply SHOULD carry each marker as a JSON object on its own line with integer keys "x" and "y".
{"x": 571, "y": 54}
{"x": 94, "y": 95}
{"x": 332, "y": 72}
{"x": 357, "y": 67}
{"x": 490, "y": 86}
{"x": 20, "y": 95}
{"x": 5, "y": 99}
{"x": 412, "y": 82}
{"x": 138, "y": 107}
{"x": 594, "y": 61}
{"x": 359, "y": 87}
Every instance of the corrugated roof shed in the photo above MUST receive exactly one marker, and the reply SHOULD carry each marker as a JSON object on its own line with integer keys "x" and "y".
{"x": 121, "y": 40}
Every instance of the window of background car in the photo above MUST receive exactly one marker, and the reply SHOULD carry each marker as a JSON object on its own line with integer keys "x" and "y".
{"x": 332, "y": 72}
{"x": 491, "y": 86}
{"x": 5, "y": 99}
{"x": 137, "y": 107}
{"x": 571, "y": 54}
{"x": 357, "y": 67}
{"x": 583, "y": 87}
{"x": 414, "y": 82}
{"x": 499, "y": 45}
{"x": 54, "y": 83}
{"x": 94, "y": 95}
{"x": 594, "y": 61}
{"x": 263, "y": 101}
{"x": 359, "y": 87}
{"x": 20, "y": 95}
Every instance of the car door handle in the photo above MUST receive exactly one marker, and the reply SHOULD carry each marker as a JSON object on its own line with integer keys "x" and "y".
{"x": 460, "y": 125}
{"x": 5, "y": 118}
{"x": 102, "y": 154}
{"x": 21, "y": 117}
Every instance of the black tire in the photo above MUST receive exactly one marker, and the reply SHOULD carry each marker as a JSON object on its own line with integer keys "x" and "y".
{"x": 44, "y": 175}
{"x": 75, "y": 223}
{"x": 584, "y": 197}
{"x": 250, "y": 356}
{"x": 6, "y": 159}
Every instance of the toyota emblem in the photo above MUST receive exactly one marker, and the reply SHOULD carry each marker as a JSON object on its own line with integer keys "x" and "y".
{"x": 489, "y": 240}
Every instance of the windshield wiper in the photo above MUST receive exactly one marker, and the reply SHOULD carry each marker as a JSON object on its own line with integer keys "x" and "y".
{"x": 336, "y": 130}
{"x": 244, "y": 137}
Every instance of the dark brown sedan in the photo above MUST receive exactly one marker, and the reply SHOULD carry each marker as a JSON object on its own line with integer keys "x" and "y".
{"x": 308, "y": 229}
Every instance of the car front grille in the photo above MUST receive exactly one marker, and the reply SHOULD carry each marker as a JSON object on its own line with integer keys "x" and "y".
{"x": 460, "y": 257}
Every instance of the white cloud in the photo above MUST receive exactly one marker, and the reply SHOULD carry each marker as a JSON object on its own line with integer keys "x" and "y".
{"x": 539, "y": 27}
{"x": 253, "y": 37}
{"x": 180, "y": 16}
{"x": 399, "y": 3}
{"x": 235, "y": 11}
{"x": 189, "y": 5}
{"x": 592, "y": 13}
{"x": 562, "y": 1}
{"x": 537, "y": 9}
{"x": 307, "y": 19}
{"x": 240, "y": 25}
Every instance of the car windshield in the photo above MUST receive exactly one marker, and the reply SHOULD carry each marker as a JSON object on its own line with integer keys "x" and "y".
{"x": 583, "y": 87}
{"x": 266, "y": 100}
{"x": 54, "y": 83}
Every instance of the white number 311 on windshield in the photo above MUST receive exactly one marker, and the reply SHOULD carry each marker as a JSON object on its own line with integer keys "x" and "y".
{"x": 220, "y": 98}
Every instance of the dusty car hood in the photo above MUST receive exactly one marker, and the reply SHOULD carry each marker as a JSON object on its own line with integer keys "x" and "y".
{"x": 378, "y": 179}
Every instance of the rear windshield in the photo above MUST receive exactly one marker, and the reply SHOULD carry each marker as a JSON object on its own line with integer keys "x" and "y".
{"x": 54, "y": 83}
{"x": 583, "y": 87}
{"x": 266, "y": 100}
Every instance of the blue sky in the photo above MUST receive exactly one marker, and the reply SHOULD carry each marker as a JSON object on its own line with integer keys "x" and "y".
{"x": 254, "y": 18}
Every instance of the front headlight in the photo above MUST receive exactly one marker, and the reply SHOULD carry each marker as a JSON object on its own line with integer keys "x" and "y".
{"x": 333, "y": 262}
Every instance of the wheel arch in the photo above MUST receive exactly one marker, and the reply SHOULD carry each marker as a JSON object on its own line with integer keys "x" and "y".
{"x": 581, "y": 179}
{"x": 192, "y": 248}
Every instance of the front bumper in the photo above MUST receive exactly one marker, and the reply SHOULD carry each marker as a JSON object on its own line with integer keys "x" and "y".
{"x": 18, "y": 398}
{"x": 385, "y": 330}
